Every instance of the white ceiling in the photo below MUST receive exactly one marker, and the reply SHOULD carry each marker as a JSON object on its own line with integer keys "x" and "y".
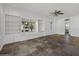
{"x": 43, "y": 9}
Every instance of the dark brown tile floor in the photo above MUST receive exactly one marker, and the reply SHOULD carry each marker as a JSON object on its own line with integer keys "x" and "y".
{"x": 52, "y": 45}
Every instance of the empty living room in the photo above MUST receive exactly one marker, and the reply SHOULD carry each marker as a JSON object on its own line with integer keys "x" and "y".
{"x": 39, "y": 29}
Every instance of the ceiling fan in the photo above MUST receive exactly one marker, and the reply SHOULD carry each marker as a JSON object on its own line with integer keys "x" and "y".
{"x": 56, "y": 13}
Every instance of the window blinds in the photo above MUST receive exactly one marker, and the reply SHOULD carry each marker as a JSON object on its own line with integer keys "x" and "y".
{"x": 12, "y": 24}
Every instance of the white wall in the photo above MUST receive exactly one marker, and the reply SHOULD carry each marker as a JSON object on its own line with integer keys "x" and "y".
{"x": 43, "y": 30}
{"x": 59, "y": 23}
{"x": 74, "y": 29}
{"x": 2, "y": 26}
{"x": 74, "y": 26}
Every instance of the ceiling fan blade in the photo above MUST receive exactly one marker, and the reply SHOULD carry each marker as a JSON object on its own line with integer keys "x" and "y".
{"x": 61, "y": 13}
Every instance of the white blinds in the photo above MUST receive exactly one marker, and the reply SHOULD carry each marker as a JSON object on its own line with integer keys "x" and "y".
{"x": 40, "y": 26}
{"x": 12, "y": 24}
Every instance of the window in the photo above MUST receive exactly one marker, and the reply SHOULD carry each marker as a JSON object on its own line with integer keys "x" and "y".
{"x": 28, "y": 25}
{"x": 16, "y": 24}
{"x": 12, "y": 24}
